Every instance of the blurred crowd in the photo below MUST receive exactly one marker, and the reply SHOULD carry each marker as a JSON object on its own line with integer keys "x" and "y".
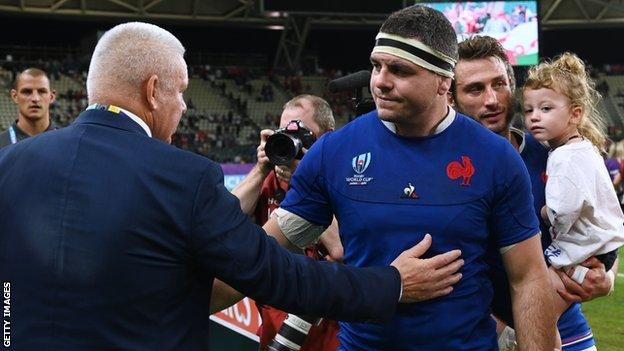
{"x": 475, "y": 18}
{"x": 231, "y": 135}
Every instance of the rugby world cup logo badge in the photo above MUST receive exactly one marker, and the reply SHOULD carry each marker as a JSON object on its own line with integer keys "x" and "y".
{"x": 359, "y": 164}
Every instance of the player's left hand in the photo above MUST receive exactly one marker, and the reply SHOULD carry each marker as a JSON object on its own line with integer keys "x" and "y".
{"x": 596, "y": 283}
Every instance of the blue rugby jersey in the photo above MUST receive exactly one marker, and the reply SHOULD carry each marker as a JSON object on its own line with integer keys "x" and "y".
{"x": 465, "y": 186}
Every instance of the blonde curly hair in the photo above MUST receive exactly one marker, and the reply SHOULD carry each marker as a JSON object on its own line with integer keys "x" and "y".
{"x": 567, "y": 75}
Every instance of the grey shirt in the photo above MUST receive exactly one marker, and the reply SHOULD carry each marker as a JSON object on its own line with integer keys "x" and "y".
{"x": 14, "y": 134}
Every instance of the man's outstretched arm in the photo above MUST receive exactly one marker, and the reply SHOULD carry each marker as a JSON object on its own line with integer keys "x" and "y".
{"x": 421, "y": 279}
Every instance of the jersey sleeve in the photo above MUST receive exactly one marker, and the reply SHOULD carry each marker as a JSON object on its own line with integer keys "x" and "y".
{"x": 307, "y": 196}
{"x": 513, "y": 215}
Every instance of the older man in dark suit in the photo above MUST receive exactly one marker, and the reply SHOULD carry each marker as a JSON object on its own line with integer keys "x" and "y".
{"x": 110, "y": 238}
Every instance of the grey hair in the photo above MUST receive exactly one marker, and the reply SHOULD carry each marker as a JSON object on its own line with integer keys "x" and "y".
{"x": 127, "y": 55}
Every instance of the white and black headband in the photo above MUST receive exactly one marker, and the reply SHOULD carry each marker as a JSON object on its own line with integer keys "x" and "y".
{"x": 416, "y": 52}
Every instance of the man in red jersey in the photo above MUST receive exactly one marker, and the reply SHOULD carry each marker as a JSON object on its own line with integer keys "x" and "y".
{"x": 261, "y": 192}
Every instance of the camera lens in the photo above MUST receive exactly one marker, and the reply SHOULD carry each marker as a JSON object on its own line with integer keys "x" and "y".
{"x": 282, "y": 148}
{"x": 293, "y": 333}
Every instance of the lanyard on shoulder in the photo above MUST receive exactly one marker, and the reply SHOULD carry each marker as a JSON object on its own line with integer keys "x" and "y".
{"x": 12, "y": 135}
{"x": 119, "y": 111}
{"x": 109, "y": 108}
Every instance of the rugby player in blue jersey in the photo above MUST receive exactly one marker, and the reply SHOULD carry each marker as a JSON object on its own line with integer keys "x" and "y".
{"x": 484, "y": 89}
{"x": 414, "y": 167}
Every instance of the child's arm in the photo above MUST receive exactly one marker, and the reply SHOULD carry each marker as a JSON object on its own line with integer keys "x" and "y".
{"x": 544, "y": 215}
{"x": 564, "y": 205}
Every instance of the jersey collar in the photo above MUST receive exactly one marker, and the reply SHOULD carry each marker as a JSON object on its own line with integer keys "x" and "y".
{"x": 446, "y": 122}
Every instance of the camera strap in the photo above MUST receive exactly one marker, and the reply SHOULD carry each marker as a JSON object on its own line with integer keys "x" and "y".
{"x": 12, "y": 135}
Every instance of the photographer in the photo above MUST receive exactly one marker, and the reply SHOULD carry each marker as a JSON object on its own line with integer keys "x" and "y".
{"x": 261, "y": 192}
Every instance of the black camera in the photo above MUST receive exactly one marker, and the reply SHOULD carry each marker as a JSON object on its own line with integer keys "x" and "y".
{"x": 286, "y": 144}
{"x": 293, "y": 333}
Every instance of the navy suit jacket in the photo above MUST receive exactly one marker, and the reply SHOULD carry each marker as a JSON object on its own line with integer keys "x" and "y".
{"x": 110, "y": 240}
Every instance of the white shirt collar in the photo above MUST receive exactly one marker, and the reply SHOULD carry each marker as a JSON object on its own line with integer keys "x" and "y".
{"x": 446, "y": 122}
{"x": 520, "y": 133}
{"x": 138, "y": 121}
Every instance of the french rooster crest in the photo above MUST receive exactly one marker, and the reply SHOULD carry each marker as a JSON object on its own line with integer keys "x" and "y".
{"x": 463, "y": 169}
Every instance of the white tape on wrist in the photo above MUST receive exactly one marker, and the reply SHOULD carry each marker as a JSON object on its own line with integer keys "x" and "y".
{"x": 507, "y": 340}
{"x": 611, "y": 277}
{"x": 579, "y": 274}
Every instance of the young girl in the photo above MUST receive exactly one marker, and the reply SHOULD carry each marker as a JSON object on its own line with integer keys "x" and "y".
{"x": 581, "y": 204}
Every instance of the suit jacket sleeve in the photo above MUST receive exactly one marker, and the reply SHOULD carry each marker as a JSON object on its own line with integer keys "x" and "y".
{"x": 227, "y": 245}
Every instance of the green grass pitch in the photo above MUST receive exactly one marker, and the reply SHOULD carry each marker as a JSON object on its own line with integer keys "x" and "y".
{"x": 606, "y": 315}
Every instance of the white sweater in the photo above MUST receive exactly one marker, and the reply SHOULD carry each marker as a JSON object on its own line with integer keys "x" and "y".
{"x": 583, "y": 209}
